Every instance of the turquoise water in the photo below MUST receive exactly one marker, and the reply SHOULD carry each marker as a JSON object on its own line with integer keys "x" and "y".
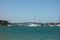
{"x": 29, "y": 33}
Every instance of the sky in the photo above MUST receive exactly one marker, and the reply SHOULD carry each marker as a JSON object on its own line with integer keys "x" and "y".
{"x": 30, "y": 10}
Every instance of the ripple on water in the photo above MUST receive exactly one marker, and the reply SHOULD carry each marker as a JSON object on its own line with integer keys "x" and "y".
{"x": 29, "y": 33}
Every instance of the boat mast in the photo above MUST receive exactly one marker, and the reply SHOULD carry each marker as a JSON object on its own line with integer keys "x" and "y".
{"x": 34, "y": 17}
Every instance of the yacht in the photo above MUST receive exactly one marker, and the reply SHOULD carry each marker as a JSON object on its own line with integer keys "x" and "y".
{"x": 33, "y": 25}
{"x": 58, "y": 25}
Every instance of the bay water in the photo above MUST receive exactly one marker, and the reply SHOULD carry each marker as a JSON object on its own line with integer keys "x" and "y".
{"x": 29, "y": 33}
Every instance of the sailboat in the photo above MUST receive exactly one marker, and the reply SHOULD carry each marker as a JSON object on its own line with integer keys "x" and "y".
{"x": 33, "y": 25}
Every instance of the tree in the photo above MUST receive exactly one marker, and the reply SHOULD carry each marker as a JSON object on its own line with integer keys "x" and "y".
{"x": 3, "y": 22}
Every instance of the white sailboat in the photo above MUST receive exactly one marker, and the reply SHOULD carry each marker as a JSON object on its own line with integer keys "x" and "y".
{"x": 33, "y": 25}
{"x": 58, "y": 25}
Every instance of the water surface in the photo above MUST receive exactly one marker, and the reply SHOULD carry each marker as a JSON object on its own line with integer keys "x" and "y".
{"x": 29, "y": 33}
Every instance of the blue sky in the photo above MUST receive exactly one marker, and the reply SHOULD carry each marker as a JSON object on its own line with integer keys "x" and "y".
{"x": 30, "y": 10}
